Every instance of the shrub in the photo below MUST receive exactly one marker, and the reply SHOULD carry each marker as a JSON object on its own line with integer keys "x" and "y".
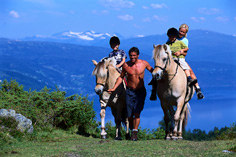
{"x": 49, "y": 109}
{"x": 227, "y": 133}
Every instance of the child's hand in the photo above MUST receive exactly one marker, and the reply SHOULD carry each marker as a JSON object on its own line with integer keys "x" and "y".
{"x": 178, "y": 53}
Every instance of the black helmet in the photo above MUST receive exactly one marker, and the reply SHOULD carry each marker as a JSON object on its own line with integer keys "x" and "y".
{"x": 172, "y": 32}
{"x": 114, "y": 40}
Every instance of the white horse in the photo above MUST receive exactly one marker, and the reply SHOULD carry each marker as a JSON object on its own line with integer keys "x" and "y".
{"x": 106, "y": 75}
{"x": 172, "y": 90}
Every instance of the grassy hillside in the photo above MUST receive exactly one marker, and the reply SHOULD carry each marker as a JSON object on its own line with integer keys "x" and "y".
{"x": 61, "y": 143}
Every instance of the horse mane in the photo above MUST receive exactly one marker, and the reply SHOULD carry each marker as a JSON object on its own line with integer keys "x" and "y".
{"x": 101, "y": 68}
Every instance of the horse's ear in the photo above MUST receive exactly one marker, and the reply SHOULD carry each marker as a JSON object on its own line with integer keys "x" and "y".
{"x": 154, "y": 46}
{"x": 94, "y": 62}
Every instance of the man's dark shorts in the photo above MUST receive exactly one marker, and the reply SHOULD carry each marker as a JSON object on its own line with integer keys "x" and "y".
{"x": 135, "y": 100}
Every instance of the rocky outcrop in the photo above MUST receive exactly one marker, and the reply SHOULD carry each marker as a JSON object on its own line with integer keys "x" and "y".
{"x": 24, "y": 124}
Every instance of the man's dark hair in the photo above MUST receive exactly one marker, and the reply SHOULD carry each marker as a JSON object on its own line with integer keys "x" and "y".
{"x": 114, "y": 41}
{"x": 134, "y": 49}
{"x": 172, "y": 32}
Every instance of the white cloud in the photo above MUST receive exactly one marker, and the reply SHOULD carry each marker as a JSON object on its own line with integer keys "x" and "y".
{"x": 126, "y": 17}
{"x": 145, "y": 7}
{"x": 158, "y": 18}
{"x": 147, "y": 19}
{"x": 158, "y": 6}
{"x": 198, "y": 19}
{"x": 140, "y": 36}
{"x": 117, "y": 4}
{"x": 42, "y": 2}
{"x": 222, "y": 19}
{"x": 14, "y": 14}
{"x": 210, "y": 11}
{"x": 102, "y": 12}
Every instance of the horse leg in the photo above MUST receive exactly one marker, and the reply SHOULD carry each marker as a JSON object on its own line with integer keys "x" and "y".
{"x": 182, "y": 122}
{"x": 127, "y": 136}
{"x": 180, "y": 104}
{"x": 171, "y": 118}
{"x": 102, "y": 116}
{"x": 118, "y": 129}
{"x": 166, "y": 119}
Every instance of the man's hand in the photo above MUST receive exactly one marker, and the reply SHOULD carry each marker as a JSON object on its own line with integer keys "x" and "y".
{"x": 110, "y": 90}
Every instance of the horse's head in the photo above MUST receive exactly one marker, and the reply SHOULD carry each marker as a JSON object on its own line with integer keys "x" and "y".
{"x": 161, "y": 56}
{"x": 101, "y": 72}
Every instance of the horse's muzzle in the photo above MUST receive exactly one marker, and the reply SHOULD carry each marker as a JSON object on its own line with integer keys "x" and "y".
{"x": 157, "y": 75}
{"x": 98, "y": 91}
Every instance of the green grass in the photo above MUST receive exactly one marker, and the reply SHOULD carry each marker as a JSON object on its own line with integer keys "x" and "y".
{"x": 61, "y": 143}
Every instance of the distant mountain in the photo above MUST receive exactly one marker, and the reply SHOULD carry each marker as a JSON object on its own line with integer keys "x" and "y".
{"x": 82, "y": 38}
{"x": 204, "y": 45}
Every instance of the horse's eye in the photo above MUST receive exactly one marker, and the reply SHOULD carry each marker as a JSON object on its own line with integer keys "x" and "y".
{"x": 164, "y": 59}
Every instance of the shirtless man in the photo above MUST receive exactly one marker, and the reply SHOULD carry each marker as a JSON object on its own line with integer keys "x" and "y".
{"x": 135, "y": 92}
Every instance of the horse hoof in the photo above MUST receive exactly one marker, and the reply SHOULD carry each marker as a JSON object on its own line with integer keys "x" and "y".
{"x": 168, "y": 138}
{"x": 118, "y": 138}
{"x": 103, "y": 137}
{"x": 174, "y": 138}
{"x": 127, "y": 137}
{"x": 180, "y": 138}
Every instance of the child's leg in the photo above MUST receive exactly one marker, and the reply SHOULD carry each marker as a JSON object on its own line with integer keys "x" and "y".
{"x": 196, "y": 85}
{"x": 187, "y": 72}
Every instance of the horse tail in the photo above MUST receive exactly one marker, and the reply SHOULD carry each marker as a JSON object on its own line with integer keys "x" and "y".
{"x": 186, "y": 116}
{"x": 189, "y": 93}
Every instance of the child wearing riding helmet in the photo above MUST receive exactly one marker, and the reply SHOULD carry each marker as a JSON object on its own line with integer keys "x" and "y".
{"x": 183, "y": 30}
{"x": 118, "y": 54}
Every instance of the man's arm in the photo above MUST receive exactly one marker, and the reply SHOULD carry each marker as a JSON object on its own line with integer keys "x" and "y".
{"x": 148, "y": 66}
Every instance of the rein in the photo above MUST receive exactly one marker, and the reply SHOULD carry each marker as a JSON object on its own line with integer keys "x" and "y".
{"x": 100, "y": 84}
{"x": 164, "y": 69}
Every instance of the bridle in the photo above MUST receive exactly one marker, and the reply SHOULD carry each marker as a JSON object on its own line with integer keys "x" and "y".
{"x": 164, "y": 69}
{"x": 100, "y": 84}
{"x": 168, "y": 60}
{"x": 103, "y": 84}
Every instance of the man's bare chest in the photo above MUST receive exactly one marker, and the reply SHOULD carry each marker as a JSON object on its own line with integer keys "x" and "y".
{"x": 135, "y": 70}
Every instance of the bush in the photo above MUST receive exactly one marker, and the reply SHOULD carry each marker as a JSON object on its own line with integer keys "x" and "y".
{"x": 49, "y": 109}
{"x": 228, "y": 133}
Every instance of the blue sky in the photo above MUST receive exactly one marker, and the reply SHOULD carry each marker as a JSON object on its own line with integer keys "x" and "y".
{"x": 21, "y": 18}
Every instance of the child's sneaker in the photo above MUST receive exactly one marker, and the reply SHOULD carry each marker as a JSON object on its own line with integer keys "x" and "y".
{"x": 191, "y": 81}
{"x": 134, "y": 136}
{"x": 199, "y": 94}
